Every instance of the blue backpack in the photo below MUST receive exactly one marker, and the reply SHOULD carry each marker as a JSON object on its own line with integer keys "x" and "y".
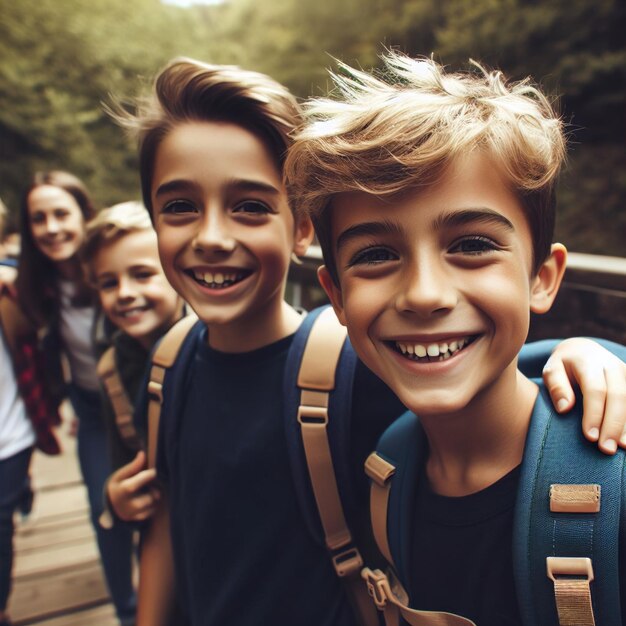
{"x": 569, "y": 518}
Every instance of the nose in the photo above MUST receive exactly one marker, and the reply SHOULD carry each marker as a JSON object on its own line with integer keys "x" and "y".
{"x": 426, "y": 288}
{"x": 214, "y": 235}
{"x": 52, "y": 225}
{"x": 125, "y": 289}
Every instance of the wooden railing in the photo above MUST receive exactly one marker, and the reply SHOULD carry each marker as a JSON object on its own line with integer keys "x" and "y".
{"x": 591, "y": 302}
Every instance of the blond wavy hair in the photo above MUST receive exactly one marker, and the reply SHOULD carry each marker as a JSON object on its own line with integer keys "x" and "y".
{"x": 108, "y": 226}
{"x": 402, "y": 127}
{"x": 187, "y": 90}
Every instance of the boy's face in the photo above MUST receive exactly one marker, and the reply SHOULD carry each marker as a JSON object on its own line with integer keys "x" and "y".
{"x": 225, "y": 230}
{"x": 436, "y": 285}
{"x": 133, "y": 290}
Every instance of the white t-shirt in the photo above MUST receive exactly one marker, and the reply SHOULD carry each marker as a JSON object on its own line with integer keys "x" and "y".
{"x": 16, "y": 429}
{"x": 75, "y": 328}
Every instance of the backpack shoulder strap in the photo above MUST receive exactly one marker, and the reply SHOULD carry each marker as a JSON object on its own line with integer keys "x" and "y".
{"x": 318, "y": 397}
{"x": 122, "y": 407}
{"x": 568, "y": 522}
{"x": 394, "y": 473}
{"x": 163, "y": 358}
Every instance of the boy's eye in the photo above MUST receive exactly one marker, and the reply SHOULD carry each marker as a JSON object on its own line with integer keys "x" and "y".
{"x": 144, "y": 274}
{"x": 252, "y": 207}
{"x": 179, "y": 207}
{"x": 107, "y": 284}
{"x": 372, "y": 256}
{"x": 474, "y": 245}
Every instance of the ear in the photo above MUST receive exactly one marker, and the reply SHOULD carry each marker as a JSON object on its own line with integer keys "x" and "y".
{"x": 332, "y": 291}
{"x": 303, "y": 235}
{"x": 546, "y": 283}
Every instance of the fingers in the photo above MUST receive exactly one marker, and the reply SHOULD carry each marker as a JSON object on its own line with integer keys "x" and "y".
{"x": 558, "y": 384}
{"x": 142, "y": 506}
{"x": 139, "y": 481}
{"x": 613, "y": 431}
{"x": 132, "y": 468}
{"x": 132, "y": 492}
{"x": 131, "y": 505}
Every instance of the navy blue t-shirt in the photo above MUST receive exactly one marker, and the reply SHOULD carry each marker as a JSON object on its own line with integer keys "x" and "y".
{"x": 243, "y": 553}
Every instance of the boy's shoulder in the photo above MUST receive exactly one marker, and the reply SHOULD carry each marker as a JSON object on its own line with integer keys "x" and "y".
{"x": 570, "y": 501}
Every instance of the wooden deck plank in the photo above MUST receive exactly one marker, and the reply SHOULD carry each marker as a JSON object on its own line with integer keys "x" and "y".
{"x": 58, "y": 578}
{"x": 99, "y": 616}
{"x": 58, "y": 591}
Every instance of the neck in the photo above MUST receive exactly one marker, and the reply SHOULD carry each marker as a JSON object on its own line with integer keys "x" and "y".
{"x": 476, "y": 447}
{"x": 69, "y": 269}
{"x": 263, "y": 328}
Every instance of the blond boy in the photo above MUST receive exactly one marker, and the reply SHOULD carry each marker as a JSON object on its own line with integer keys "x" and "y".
{"x": 433, "y": 196}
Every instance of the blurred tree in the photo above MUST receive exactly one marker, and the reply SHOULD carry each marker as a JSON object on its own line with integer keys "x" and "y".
{"x": 59, "y": 59}
{"x": 58, "y": 62}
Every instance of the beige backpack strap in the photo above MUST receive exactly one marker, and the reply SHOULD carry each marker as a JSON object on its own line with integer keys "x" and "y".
{"x": 316, "y": 379}
{"x": 380, "y": 473}
{"x": 122, "y": 407}
{"x": 162, "y": 359}
{"x": 392, "y": 600}
{"x": 388, "y": 594}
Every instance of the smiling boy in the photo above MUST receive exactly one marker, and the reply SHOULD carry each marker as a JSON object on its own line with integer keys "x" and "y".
{"x": 433, "y": 198}
{"x": 122, "y": 261}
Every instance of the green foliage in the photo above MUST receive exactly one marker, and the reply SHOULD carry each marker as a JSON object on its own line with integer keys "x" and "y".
{"x": 60, "y": 59}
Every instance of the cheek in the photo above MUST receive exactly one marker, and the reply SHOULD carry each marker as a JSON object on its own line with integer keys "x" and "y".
{"x": 107, "y": 300}
{"x": 37, "y": 230}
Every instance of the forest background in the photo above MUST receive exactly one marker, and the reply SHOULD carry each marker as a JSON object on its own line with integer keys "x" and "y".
{"x": 61, "y": 59}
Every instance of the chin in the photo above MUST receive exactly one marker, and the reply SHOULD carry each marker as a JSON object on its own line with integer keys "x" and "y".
{"x": 427, "y": 404}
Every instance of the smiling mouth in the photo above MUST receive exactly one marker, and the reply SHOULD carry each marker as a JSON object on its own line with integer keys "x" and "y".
{"x": 131, "y": 312}
{"x": 218, "y": 280}
{"x": 432, "y": 352}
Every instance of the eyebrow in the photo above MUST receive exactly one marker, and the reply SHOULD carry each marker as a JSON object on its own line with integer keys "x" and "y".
{"x": 238, "y": 184}
{"x": 481, "y": 215}
{"x": 367, "y": 229}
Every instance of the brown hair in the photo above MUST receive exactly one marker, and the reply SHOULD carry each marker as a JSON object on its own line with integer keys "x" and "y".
{"x": 188, "y": 90}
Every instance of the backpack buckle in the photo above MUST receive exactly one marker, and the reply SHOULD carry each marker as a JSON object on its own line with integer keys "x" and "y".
{"x": 312, "y": 415}
{"x": 569, "y": 566}
{"x": 347, "y": 562}
{"x": 155, "y": 391}
{"x": 377, "y": 586}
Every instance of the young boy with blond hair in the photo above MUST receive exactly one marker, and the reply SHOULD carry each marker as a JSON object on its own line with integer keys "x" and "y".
{"x": 433, "y": 197}
{"x": 122, "y": 262}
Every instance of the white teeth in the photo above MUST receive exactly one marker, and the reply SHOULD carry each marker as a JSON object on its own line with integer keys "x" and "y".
{"x": 217, "y": 279}
{"x": 432, "y": 349}
{"x": 442, "y": 351}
